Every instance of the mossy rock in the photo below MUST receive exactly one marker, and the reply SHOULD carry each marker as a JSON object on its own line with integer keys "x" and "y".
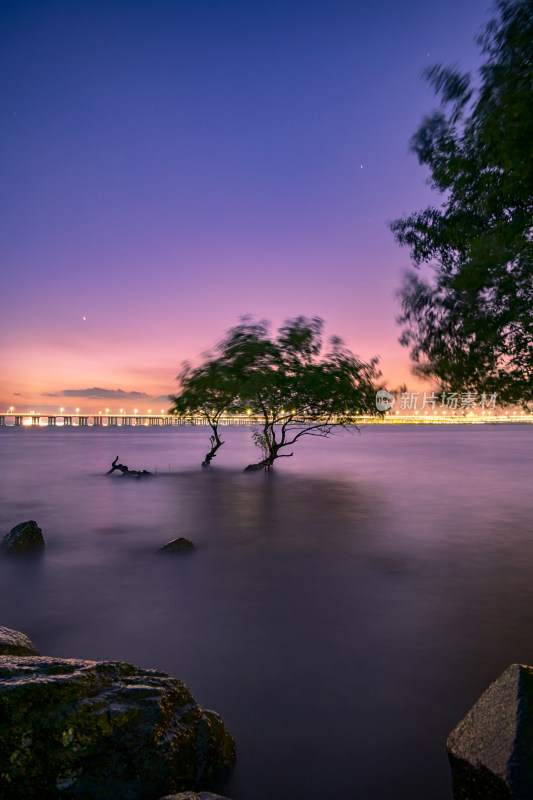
{"x": 26, "y": 538}
{"x": 14, "y": 643}
{"x": 87, "y": 730}
{"x": 193, "y": 796}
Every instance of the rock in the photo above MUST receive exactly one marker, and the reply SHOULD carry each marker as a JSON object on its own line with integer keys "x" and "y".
{"x": 180, "y": 545}
{"x": 491, "y": 749}
{"x": 254, "y": 467}
{"x": 88, "y": 730}
{"x": 193, "y": 796}
{"x": 14, "y": 643}
{"x": 25, "y": 538}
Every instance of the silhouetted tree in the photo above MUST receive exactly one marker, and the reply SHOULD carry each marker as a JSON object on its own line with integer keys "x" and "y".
{"x": 208, "y": 391}
{"x": 214, "y": 387}
{"x": 294, "y": 387}
{"x": 473, "y": 325}
{"x": 299, "y": 391}
{"x": 288, "y": 381}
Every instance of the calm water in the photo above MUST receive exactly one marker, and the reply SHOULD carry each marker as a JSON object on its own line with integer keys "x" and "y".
{"x": 341, "y": 615}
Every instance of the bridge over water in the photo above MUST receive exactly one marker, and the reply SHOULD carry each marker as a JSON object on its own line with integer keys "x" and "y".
{"x": 107, "y": 420}
{"x": 36, "y": 420}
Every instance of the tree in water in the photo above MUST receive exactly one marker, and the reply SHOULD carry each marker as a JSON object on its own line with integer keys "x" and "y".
{"x": 214, "y": 388}
{"x": 299, "y": 390}
{"x": 288, "y": 381}
{"x": 472, "y": 326}
{"x": 206, "y": 391}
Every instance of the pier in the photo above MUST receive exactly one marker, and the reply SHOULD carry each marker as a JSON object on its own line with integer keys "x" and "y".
{"x": 43, "y": 420}
{"x": 40, "y": 420}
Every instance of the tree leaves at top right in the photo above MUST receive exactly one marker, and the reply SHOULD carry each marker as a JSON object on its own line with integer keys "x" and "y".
{"x": 471, "y": 325}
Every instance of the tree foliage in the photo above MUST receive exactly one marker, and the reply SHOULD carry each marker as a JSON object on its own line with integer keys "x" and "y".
{"x": 208, "y": 390}
{"x": 301, "y": 390}
{"x": 295, "y": 385}
{"x": 472, "y": 326}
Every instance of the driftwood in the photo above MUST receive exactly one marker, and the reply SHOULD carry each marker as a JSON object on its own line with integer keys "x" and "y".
{"x": 133, "y": 473}
{"x": 266, "y": 463}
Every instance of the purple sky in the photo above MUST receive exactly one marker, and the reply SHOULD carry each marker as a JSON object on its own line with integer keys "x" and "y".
{"x": 169, "y": 166}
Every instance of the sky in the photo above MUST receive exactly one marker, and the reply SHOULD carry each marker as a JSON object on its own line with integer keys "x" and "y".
{"x": 171, "y": 165}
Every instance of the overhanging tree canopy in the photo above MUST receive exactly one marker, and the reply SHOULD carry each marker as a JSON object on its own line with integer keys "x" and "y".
{"x": 472, "y": 327}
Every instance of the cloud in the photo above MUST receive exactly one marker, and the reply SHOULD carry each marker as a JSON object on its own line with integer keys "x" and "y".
{"x": 97, "y": 393}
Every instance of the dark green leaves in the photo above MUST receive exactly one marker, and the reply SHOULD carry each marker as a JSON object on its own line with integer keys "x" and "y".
{"x": 474, "y": 323}
{"x": 286, "y": 380}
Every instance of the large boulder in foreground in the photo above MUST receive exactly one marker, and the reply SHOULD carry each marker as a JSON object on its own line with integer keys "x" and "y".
{"x": 491, "y": 749}
{"x": 88, "y": 730}
{"x": 25, "y": 538}
{"x": 14, "y": 643}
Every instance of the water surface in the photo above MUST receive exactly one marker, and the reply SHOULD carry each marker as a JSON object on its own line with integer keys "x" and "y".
{"x": 341, "y": 615}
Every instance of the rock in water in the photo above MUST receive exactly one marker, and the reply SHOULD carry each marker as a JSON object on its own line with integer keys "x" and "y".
{"x": 14, "y": 643}
{"x": 193, "y": 796}
{"x": 26, "y": 537}
{"x": 491, "y": 749}
{"x": 180, "y": 545}
{"x": 88, "y": 730}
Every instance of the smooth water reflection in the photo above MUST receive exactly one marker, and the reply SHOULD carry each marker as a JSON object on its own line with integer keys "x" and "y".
{"x": 341, "y": 615}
